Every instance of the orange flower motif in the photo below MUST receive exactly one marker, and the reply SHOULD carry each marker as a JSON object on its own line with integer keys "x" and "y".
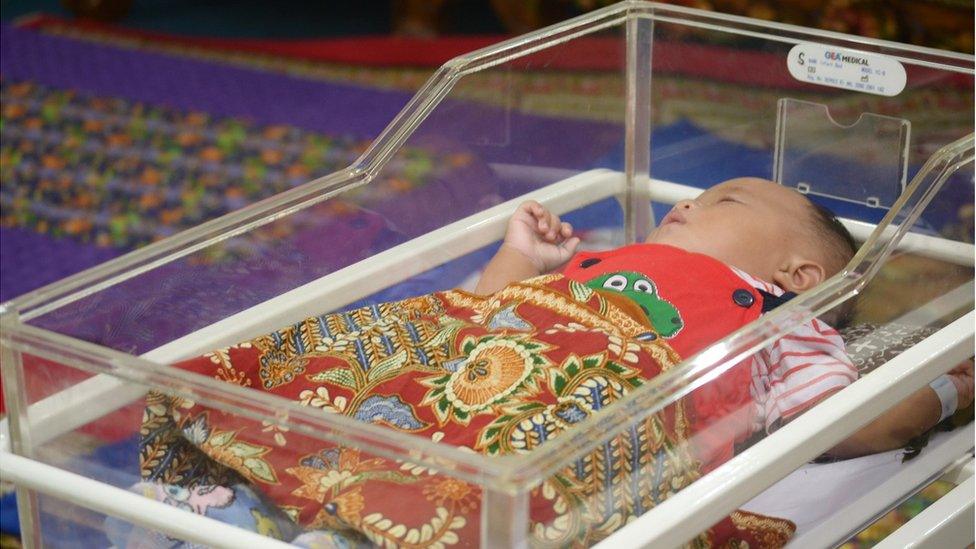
{"x": 454, "y": 491}
{"x": 491, "y": 372}
{"x": 349, "y": 505}
{"x": 349, "y": 459}
{"x": 276, "y": 368}
{"x": 316, "y": 483}
{"x": 331, "y": 474}
{"x": 240, "y": 456}
{"x": 420, "y": 306}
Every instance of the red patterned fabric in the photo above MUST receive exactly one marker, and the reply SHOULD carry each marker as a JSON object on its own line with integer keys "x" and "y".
{"x": 495, "y": 375}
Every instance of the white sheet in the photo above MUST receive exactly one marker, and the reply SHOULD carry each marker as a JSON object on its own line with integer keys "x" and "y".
{"x": 821, "y": 492}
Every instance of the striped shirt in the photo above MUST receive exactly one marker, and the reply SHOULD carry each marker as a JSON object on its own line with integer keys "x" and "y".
{"x": 796, "y": 371}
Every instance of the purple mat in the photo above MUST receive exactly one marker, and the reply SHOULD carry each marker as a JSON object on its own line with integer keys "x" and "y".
{"x": 184, "y": 83}
{"x": 31, "y": 260}
{"x": 273, "y": 98}
{"x": 446, "y": 164}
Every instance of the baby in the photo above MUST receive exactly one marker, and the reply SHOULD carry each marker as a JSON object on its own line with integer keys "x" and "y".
{"x": 714, "y": 264}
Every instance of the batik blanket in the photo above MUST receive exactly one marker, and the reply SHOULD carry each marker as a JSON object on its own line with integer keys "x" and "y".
{"x": 495, "y": 375}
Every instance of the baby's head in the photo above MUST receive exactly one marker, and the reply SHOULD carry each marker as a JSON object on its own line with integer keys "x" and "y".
{"x": 767, "y": 230}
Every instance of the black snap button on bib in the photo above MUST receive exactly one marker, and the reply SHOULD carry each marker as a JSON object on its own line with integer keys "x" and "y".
{"x": 743, "y": 298}
{"x": 589, "y": 262}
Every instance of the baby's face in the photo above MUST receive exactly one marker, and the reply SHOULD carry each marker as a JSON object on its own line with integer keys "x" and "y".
{"x": 748, "y": 223}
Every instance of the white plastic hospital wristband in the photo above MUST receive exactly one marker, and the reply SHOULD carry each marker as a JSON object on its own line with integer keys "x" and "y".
{"x": 948, "y": 395}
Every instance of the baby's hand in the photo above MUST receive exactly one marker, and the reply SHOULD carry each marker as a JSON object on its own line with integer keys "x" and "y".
{"x": 962, "y": 378}
{"x": 540, "y": 236}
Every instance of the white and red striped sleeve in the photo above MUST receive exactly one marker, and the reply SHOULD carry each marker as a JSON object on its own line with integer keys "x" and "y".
{"x": 799, "y": 370}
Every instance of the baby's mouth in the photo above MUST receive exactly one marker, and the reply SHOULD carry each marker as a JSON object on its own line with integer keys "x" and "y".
{"x": 674, "y": 216}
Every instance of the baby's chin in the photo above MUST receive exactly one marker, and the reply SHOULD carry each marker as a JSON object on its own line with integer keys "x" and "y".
{"x": 703, "y": 248}
{"x": 671, "y": 238}
{"x": 662, "y": 235}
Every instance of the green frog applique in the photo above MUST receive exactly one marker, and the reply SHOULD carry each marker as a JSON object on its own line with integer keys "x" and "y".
{"x": 663, "y": 315}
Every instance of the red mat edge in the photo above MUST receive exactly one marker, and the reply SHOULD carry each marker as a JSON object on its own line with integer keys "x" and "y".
{"x": 591, "y": 53}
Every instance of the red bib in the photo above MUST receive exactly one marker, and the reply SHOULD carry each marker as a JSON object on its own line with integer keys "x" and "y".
{"x": 712, "y": 301}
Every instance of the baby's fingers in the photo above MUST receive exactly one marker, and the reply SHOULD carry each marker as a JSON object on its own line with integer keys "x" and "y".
{"x": 566, "y": 230}
{"x": 547, "y": 224}
{"x": 554, "y": 227}
{"x": 570, "y": 246}
{"x": 542, "y": 225}
{"x": 536, "y": 209}
{"x": 963, "y": 369}
{"x": 962, "y": 378}
{"x": 533, "y": 209}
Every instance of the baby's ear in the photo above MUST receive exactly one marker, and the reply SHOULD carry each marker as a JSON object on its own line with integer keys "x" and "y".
{"x": 799, "y": 274}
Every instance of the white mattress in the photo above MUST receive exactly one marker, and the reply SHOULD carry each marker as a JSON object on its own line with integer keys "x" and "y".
{"x": 828, "y": 501}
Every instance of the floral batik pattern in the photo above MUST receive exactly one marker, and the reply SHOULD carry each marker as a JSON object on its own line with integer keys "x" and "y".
{"x": 496, "y": 375}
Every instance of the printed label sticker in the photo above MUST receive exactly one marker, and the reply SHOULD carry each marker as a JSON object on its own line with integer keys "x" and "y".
{"x": 846, "y": 69}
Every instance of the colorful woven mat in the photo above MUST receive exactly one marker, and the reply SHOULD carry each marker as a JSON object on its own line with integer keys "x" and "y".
{"x": 886, "y": 525}
{"x": 123, "y": 173}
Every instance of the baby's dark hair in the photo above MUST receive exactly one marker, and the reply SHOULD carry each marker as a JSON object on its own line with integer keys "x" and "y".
{"x": 838, "y": 242}
{"x": 839, "y": 248}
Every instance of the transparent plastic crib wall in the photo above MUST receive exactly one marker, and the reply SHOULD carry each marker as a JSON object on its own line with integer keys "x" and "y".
{"x": 39, "y": 459}
{"x": 744, "y": 477}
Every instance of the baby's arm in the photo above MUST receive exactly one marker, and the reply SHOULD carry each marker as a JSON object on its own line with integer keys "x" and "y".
{"x": 909, "y": 418}
{"x": 536, "y": 242}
